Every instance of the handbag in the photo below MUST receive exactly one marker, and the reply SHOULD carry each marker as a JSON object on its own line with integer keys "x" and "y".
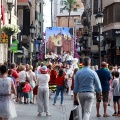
{"x": 74, "y": 114}
{"x": 27, "y": 78}
{"x": 65, "y": 84}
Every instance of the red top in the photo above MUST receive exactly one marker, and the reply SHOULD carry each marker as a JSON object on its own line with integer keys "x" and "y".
{"x": 14, "y": 74}
{"x": 53, "y": 75}
{"x": 27, "y": 88}
{"x": 60, "y": 80}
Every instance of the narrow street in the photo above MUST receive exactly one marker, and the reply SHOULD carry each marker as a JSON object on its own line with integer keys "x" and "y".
{"x": 29, "y": 112}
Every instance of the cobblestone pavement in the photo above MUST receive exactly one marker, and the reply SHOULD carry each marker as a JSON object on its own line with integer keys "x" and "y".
{"x": 29, "y": 112}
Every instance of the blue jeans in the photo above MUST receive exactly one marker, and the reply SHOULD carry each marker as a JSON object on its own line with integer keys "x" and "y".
{"x": 58, "y": 90}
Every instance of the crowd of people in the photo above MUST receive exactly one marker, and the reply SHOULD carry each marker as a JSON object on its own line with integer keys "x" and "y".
{"x": 36, "y": 83}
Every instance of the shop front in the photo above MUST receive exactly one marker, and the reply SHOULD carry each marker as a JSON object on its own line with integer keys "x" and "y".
{"x": 112, "y": 38}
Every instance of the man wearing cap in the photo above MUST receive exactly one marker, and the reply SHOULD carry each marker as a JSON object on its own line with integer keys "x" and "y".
{"x": 84, "y": 83}
{"x": 104, "y": 76}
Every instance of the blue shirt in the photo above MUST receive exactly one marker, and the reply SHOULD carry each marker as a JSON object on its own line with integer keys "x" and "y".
{"x": 87, "y": 80}
{"x": 104, "y": 76}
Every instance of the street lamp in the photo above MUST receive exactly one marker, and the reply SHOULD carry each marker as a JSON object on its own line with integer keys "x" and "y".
{"x": 10, "y": 5}
{"x": 99, "y": 22}
{"x": 85, "y": 38}
{"x": 32, "y": 32}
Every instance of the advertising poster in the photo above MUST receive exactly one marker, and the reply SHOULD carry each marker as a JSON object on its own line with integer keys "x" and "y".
{"x": 59, "y": 39}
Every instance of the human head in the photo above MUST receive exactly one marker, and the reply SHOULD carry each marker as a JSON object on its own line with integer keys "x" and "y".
{"x": 22, "y": 68}
{"x": 111, "y": 68}
{"x": 61, "y": 72}
{"x": 27, "y": 67}
{"x": 44, "y": 69}
{"x": 9, "y": 72}
{"x": 31, "y": 67}
{"x": 27, "y": 81}
{"x": 13, "y": 66}
{"x": 87, "y": 61}
{"x": 3, "y": 69}
{"x": 96, "y": 67}
{"x": 103, "y": 65}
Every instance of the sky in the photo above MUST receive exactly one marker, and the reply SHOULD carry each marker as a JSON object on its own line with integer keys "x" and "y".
{"x": 47, "y": 14}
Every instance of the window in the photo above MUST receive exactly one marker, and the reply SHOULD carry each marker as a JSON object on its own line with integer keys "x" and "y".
{"x": 61, "y": 10}
{"x": 95, "y": 10}
{"x": 117, "y": 12}
{"x": 61, "y": 2}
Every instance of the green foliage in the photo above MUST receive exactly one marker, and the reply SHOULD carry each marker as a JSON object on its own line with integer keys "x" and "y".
{"x": 70, "y": 5}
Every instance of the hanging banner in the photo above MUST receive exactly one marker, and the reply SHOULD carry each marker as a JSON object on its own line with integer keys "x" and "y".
{"x": 14, "y": 46}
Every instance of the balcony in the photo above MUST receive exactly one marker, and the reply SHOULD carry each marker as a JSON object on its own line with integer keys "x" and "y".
{"x": 24, "y": 3}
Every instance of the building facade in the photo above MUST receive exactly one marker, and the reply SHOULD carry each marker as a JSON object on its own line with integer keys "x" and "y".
{"x": 60, "y": 17}
{"x": 5, "y": 16}
{"x": 111, "y": 31}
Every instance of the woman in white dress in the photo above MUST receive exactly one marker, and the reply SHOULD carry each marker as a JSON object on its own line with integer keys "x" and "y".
{"x": 43, "y": 91}
{"x": 7, "y": 107}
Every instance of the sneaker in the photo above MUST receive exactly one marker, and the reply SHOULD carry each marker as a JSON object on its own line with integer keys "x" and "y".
{"x": 115, "y": 114}
{"x": 54, "y": 104}
{"x": 61, "y": 104}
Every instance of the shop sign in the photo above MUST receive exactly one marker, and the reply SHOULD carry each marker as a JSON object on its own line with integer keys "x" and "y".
{"x": 4, "y": 38}
{"x": 14, "y": 46}
{"x": 116, "y": 32}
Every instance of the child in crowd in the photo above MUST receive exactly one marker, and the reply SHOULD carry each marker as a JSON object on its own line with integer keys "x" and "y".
{"x": 116, "y": 94}
{"x": 10, "y": 75}
{"x": 26, "y": 89}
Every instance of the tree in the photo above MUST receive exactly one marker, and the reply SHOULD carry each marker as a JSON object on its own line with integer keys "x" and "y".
{"x": 70, "y": 5}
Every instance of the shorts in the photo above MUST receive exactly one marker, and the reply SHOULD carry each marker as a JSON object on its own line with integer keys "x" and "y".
{"x": 105, "y": 95}
{"x": 116, "y": 98}
{"x": 26, "y": 95}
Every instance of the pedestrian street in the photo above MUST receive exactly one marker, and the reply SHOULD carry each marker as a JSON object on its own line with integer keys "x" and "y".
{"x": 29, "y": 112}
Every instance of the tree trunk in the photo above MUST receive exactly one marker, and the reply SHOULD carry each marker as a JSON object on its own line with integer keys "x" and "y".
{"x": 69, "y": 18}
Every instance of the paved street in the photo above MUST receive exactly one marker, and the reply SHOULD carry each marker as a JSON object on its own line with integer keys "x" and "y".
{"x": 29, "y": 112}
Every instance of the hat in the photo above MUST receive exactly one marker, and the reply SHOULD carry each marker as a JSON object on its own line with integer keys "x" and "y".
{"x": 44, "y": 69}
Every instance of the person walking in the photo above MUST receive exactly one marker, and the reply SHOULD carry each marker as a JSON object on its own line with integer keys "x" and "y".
{"x": 104, "y": 76}
{"x": 84, "y": 83}
{"x": 116, "y": 94}
{"x": 43, "y": 91}
{"x": 60, "y": 86}
{"x": 7, "y": 107}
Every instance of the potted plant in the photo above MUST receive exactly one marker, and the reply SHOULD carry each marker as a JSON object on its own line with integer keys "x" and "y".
{"x": 10, "y": 29}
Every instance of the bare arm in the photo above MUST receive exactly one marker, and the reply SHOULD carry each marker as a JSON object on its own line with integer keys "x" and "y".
{"x": 13, "y": 87}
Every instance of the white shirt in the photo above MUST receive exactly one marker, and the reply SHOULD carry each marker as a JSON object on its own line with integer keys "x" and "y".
{"x": 42, "y": 80}
{"x": 31, "y": 76}
{"x": 22, "y": 76}
{"x": 115, "y": 86}
{"x": 70, "y": 57}
{"x": 54, "y": 56}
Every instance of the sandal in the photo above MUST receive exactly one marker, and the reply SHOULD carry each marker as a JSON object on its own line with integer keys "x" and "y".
{"x": 106, "y": 115}
{"x": 48, "y": 114}
{"x": 98, "y": 115}
{"x": 39, "y": 114}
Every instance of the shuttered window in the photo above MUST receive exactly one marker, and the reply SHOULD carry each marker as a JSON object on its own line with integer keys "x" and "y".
{"x": 95, "y": 7}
